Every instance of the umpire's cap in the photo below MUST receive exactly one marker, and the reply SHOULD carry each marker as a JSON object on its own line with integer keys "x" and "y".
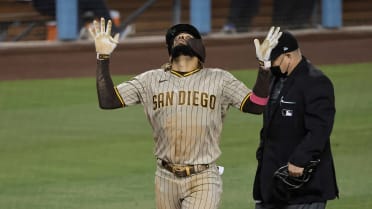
{"x": 177, "y": 29}
{"x": 286, "y": 43}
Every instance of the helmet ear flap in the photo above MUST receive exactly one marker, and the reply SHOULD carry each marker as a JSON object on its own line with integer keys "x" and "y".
{"x": 169, "y": 46}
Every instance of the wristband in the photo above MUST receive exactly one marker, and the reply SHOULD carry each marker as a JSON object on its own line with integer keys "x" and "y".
{"x": 264, "y": 64}
{"x": 103, "y": 56}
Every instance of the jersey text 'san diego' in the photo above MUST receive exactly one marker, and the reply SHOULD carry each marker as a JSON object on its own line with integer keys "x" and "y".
{"x": 185, "y": 111}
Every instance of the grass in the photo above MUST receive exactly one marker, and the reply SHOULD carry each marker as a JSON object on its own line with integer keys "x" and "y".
{"x": 59, "y": 150}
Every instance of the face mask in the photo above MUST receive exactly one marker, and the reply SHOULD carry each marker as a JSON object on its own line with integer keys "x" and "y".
{"x": 276, "y": 71}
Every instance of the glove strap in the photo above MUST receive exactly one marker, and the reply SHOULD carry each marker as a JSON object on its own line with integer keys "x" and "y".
{"x": 103, "y": 56}
{"x": 264, "y": 64}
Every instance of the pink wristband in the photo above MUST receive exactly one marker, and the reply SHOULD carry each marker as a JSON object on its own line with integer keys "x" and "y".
{"x": 258, "y": 100}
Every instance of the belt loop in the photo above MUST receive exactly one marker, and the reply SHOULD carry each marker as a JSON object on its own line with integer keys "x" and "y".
{"x": 187, "y": 171}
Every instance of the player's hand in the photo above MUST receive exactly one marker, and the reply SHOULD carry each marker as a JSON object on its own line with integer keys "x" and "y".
{"x": 104, "y": 42}
{"x": 263, "y": 50}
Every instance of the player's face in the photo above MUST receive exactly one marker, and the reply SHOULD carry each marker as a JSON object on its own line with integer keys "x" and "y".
{"x": 181, "y": 47}
{"x": 182, "y": 39}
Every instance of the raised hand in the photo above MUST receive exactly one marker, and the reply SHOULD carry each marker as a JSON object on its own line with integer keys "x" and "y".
{"x": 263, "y": 50}
{"x": 104, "y": 42}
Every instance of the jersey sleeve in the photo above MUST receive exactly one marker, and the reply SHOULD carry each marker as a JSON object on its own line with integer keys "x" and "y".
{"x": 133, "y": 91}
{"x": 234, "y": 92}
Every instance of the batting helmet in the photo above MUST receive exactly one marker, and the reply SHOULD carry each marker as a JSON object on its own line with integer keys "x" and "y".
{"x": 196, "y": 45}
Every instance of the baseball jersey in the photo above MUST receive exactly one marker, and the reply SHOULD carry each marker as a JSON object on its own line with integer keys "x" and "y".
{"x": 186, "y": 111}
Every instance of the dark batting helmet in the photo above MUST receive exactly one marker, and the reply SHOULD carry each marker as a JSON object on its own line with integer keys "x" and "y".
{"x": 196, "y": 45}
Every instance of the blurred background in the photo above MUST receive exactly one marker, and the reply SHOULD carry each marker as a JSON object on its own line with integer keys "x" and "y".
{"x": 25, "y": 20}
{"x": 57, "y": 30}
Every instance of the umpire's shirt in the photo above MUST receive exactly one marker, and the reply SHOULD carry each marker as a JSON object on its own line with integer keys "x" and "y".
{"x": 297, "y": 128}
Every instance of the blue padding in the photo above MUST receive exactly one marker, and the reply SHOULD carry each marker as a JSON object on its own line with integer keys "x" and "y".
{"x": 200, "y": 15}
{"x": 332, "y": 13}
{"x": 67, "y": 19}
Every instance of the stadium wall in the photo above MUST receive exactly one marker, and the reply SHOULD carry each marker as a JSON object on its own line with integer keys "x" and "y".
{"x": 38, "y": 60}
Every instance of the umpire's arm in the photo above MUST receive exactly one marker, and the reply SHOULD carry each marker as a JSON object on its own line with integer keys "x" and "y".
{"x": 319, "y": 118}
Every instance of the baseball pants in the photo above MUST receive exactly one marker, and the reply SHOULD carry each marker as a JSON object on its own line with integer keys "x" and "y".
{"x": 199, "y": 191}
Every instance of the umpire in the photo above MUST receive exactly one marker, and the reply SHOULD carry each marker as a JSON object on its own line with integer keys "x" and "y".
{"x": 296, "y": 131}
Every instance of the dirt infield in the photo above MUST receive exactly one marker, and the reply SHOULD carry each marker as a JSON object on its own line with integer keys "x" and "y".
{"x": 39, "y": 60}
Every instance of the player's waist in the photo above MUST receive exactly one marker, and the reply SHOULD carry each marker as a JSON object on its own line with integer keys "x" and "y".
{"x": 183, "y": 170}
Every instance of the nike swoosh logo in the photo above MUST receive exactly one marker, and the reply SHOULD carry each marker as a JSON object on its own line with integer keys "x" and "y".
{"x": 161, "y": 81}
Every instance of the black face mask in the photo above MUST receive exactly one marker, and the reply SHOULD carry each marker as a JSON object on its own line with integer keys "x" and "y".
{"x": 275, "y": 70}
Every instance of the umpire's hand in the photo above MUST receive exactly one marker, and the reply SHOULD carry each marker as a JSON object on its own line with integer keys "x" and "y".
{"x": 104, "y": 42}
{"x": 295, "y": 170}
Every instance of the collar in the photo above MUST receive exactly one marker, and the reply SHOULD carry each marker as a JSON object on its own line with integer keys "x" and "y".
{"x": 184, "y": 74}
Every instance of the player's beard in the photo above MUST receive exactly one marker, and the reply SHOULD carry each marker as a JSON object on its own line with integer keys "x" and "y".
{"x": 182, "y": 49}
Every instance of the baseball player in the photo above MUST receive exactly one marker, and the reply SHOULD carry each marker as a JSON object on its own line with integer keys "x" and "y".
{"x": 185, "y": 104}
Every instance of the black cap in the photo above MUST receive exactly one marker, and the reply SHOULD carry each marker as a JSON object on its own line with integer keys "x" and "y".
{"x": 287, "y": 43}
{"x": 177, "y": 29}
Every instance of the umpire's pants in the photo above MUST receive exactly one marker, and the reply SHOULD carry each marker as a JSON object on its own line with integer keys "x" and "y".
{"x": 315, "y": 205}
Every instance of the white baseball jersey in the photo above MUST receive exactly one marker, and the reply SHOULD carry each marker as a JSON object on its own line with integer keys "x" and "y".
{"x": 186, "y": 112}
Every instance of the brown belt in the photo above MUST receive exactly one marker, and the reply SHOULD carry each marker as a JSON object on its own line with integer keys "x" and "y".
{"x": 183, "y": 170}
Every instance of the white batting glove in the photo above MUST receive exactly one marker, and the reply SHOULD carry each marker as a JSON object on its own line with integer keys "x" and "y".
{"x": 104, "y": 42}
{"x": 263, "y": 50}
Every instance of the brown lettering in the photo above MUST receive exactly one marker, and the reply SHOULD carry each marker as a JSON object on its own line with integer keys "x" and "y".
{"x": 169, "y": 99}
{"x": 154, "y": 102}
{"x": 195, "y": 98}
{"x": 204, "y": 99}
{"x": 161, "y": 100}
{"x": 181, "y": 97}
{"x": 212, "y": 102}
{"x": 188, "y": 97}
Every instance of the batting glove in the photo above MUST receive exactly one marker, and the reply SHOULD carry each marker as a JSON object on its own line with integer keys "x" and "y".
{"x": 263, "y": 50}
{"x": 104, "y": 42}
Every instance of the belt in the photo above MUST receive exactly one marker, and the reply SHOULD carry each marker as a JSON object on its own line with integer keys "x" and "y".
{"x": 183, "y": 170}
